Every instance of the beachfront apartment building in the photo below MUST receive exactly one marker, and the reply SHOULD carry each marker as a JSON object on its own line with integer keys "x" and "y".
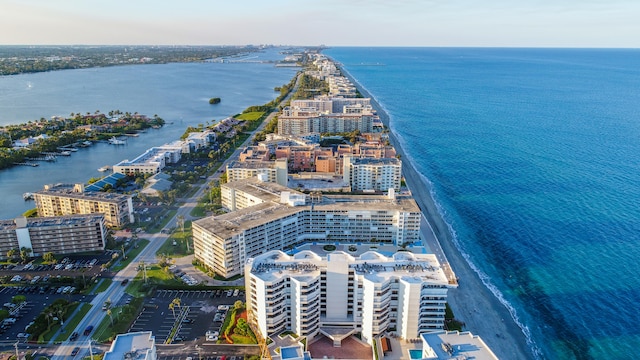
{"x": 325, "y": 123}
{"x": 372, "y": 174}
{"x": 273, "y": 171}
{"x": 337, "y": 294}
{"x": 329, "y": 105}
{"x": 60, "y": 235}
{"x": 223, "y": 243}
{"x": 63, "y": 199}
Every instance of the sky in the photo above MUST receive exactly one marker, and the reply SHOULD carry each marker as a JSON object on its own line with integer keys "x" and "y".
{"x": 478, "y": 23}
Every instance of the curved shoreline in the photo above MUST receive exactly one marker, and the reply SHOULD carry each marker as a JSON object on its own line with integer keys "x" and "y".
{"x": 472, "y": 302}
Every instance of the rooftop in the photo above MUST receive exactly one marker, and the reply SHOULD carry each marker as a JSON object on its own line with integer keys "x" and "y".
{"x": 412, "y": 268}
{"x": 455, "y": 345}
{"x": 64, "y": 191}
{"x": 131, "y": 346}
{"x": 267, "y": 191}
{"x": 67, "y": 220}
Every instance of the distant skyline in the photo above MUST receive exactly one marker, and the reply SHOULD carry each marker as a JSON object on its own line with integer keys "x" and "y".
{"x": 495, "y": 23}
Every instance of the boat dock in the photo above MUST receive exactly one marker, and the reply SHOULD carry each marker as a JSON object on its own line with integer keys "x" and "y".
{"x": 26, "y": 164}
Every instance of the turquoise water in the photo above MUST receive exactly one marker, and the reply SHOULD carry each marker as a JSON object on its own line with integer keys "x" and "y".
{"x": 415, "y": 354}
{"x": 532, "y": 156}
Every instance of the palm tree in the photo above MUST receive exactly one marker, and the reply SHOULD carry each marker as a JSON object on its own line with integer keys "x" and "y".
{"x": 172, "y": 308}
{"x": 177, "y": 301}
{"x": 110, "y": 316}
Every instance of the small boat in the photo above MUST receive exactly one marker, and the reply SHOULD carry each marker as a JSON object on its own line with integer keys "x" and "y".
{"x": 87, "y": 143}
{"x": 115, "y": 141}
{"x": 65, "y": 153}
{"x": 27, "y": 196}
{"x": 104, "y": 168}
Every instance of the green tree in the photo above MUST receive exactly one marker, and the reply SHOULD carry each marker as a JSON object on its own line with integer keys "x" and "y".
{"x": 49, "y": 257}
{"x": 25, "y": 253}
{"x": 12, "y": 253}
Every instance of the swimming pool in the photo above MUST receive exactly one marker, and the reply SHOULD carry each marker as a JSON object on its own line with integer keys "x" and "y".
{"x": 415, "y": 353}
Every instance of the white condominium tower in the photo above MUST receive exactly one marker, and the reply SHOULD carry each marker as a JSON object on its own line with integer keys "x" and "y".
{"x": 338, "y": 294}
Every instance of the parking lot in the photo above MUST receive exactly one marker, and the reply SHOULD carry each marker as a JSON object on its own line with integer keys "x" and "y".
{"x": 199, "y": 312}
{"x": 72, "y": 266}
{"x": 36, "y": 302}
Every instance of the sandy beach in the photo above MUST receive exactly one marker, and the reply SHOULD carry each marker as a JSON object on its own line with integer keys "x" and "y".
{"x": 472, "y": 302}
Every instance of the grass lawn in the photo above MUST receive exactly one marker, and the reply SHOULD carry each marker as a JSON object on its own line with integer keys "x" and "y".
{"x": 180, "y": 237}
{"x": 100, "y": 285}
{"x": 251, "y": 116}
{"x": 155, "y": 275}
{"x": 123, "y": 316}
{"x": 70, "y": 324}
{"x": 131, "y": 254}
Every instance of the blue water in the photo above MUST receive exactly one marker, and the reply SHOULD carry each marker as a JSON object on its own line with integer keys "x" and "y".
{"x": 178, "y": 93}
{"x": 534, "y": 158}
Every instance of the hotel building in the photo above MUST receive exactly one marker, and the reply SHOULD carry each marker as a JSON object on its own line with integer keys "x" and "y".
{"x": 284, "y": 220}
{"x": 337, "y": 294}
{"x": 61, "y": 199}
{"x": 59, "y": 235}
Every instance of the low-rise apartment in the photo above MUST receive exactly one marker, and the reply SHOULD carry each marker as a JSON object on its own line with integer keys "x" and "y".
{"x": 63, "y": 199}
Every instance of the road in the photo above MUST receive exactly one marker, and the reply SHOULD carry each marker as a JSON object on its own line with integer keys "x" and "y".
{"x": 148, "y": 255}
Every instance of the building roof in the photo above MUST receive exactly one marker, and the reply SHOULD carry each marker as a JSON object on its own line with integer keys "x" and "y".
{"x": 455, "y": 345}
{"x": 100, "y": 184}
{"x": 131, "y": 346}
{"x": 67, "y": 192}
{"x": 411, "y": 268}
{"x": 67, "y": 220}
{"x": 267, "y": 191}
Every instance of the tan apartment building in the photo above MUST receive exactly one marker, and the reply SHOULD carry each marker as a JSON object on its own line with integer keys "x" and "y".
{"x": 61, "y": 199}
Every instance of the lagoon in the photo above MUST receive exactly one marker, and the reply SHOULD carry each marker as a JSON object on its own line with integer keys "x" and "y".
{"x": 179, "y": 93}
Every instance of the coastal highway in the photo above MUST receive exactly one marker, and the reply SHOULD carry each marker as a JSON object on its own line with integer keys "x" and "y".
{"x": 148, "y": 255}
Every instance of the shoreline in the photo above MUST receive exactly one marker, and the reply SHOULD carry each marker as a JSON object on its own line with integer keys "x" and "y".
{"x": 472, "y": 302}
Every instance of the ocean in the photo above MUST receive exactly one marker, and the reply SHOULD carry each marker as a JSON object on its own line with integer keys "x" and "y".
{"x": 532, "y": 156}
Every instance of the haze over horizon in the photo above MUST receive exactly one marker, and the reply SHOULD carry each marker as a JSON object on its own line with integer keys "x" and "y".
{"x": 493, "y": 23}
